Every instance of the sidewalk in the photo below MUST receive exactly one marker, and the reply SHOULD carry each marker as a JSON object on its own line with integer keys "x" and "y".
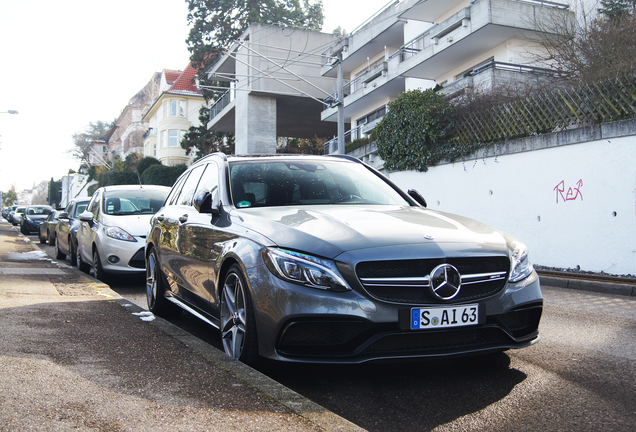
{"x": 77, "y": 356}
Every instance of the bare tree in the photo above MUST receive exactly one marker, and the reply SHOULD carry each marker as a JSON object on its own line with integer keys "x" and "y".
{"x": 589, "y": 47}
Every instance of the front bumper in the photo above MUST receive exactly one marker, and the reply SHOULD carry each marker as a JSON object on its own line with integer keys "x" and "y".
{"x": 300, "y": 324}
{"x": 123, "y": 257}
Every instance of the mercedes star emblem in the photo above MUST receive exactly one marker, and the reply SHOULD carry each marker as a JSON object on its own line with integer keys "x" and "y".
{"x": 445, "y": 281}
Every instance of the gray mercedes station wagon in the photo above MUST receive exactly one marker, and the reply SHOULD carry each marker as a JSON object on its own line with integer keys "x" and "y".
{"x": 323, "y": 259}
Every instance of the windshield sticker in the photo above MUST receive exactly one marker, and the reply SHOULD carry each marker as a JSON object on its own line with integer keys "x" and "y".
{"x": 244, "y": 204}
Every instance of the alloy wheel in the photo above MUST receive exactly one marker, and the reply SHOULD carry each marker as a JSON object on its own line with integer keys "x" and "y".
{"x": 233, "y": 316}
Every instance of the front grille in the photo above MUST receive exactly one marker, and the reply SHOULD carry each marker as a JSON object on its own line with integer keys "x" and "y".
{"x": 407, "y": 281}
{"x": 138, "y": 260}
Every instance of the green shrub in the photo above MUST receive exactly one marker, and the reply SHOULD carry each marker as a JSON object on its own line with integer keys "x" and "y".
{"x": 416, "y": 132}
{"x": 162, "y": 175}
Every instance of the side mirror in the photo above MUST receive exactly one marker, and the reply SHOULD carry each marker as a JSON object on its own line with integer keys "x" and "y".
{"x": 86, "y": 216}
{"x": 207, "y": 202}
{"x": 417, "y": 197}
{"x": 63, "y": 215}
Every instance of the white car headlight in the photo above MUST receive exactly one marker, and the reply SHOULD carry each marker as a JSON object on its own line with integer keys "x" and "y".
{"x": 521, "y": 267}
{"x": 304, "y": 269}
{"x": 119, "y": 234}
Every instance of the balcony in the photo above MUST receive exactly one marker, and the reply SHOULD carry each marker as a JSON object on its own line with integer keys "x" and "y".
{"x": 472, "y": 31}
{"x": 493, "y": 74}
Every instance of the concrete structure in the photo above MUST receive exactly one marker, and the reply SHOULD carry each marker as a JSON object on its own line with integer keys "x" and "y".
{"x": 127, "y": 134}
{"x": 74, "y": 186}
{"x": 275, "y": 87}
{"x": 416, "y": 44}
{"x": 569, "y": 195}
{"x": 172, "y": 113}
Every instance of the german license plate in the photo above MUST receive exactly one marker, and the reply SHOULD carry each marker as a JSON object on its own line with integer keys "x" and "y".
{"x": 443, "y": 317}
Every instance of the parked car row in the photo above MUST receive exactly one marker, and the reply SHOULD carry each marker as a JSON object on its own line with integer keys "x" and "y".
{"x": 317, "y": 259}
{"x": 27, "y": 217}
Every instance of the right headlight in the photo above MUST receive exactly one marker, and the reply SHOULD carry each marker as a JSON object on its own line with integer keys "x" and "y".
{"x": 304, "y": 269}
{"x": 521, "y": 267}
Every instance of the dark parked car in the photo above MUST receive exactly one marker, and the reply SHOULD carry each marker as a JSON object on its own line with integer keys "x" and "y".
{"x": 47, "y": 228}
{"x": 323, "y": 259}
{"x": 65, "y": 235}
{"x": 33, "y": 215}
{"x": 7, "y": 210}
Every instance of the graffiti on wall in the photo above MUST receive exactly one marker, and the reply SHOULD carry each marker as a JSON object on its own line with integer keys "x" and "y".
{"x": 571, "y": 194}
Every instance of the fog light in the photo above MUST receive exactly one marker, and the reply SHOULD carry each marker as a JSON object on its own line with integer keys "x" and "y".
{"x": 113, "y": 259}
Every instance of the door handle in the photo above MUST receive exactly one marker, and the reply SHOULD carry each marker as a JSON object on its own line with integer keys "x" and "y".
{"x": 183, "y": 219}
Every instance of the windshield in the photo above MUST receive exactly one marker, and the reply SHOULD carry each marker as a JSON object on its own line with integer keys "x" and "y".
{"x": 296, "y": 181}
{"x": 38, "y": 211}
{"x": 136, "y": 201}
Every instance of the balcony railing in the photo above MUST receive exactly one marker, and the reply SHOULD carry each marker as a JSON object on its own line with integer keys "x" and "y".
{"x": 220, "y": 104}
{"x": 449, "y": 25}
{"x": 150, "y": 132}
{"x": 373, "y": 71}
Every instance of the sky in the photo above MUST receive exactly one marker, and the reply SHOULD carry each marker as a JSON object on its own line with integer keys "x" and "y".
{"x": 65, "y": 64}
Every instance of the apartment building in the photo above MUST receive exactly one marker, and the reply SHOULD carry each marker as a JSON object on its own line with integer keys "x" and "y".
{"x": 171, "y": 115}
{"x": 462, "y": 45}
{"x": 127, "y": 134}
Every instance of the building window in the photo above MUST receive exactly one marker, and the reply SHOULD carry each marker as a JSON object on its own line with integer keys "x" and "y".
{"x": 379, "y": 113}
{"x": 164, "y": 139}
{"x": 166, "y": 109}
{"x": 174, "y": 138}
{"x": 182, "y": 108}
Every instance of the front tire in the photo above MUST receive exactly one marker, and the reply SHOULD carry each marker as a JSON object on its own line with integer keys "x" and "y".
{"x": 42, "y": 239}
{"x": 97, "y": 269}
{"x": 156, "y": 288}
{"x": 80, "y": 262}
{"x": 238, "y": 327}
{"x": 72, "y": 251}
{"x": 58, "y": 254}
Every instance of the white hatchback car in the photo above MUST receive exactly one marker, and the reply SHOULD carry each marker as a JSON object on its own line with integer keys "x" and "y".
{"x": 112, "y": 231}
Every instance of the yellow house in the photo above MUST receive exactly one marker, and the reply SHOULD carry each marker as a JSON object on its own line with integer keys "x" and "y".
{"x": 171, "y": 115}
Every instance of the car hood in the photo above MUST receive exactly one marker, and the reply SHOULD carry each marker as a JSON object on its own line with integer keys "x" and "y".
{"x": 329, "y": 231}
{"x": 136, "y": 225}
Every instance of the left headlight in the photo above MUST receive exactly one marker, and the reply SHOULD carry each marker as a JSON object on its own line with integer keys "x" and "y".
{"x": 304, "y": 269}
{"x": 119, "y": 234}
{"x": 521, "y": 267}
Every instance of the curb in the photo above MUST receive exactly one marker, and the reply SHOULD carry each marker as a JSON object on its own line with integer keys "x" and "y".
{"x": 589, "y": 285}
{"x": 294, "y": 402}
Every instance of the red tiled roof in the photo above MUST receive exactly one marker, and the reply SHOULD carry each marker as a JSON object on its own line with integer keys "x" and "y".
{"x": 185, "y": 83}
{"x": 172, "y": 75}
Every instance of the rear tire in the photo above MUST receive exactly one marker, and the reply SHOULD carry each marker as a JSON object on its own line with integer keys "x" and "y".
{"x": 238, "y": 325}
{"x": 156, "y": 288}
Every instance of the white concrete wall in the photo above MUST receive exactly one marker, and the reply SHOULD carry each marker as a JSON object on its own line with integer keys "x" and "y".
{"x": 573, "y": 205}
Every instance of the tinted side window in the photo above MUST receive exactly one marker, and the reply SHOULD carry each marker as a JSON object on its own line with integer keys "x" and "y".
{"x": 93, "y": 206}
{"x": 210, "y": 179}
{"x": 174, "y": 193}
{"x": 190, "y": 186}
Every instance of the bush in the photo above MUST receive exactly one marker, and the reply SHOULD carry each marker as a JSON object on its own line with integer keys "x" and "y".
{"x": 416, "y": 132}
{"x": 110, "y": 178}
{"x": 162, "y": 175}
{"x": 145, "y": 163}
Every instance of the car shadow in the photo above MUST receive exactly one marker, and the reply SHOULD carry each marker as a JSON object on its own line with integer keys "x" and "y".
{"x": 415, "y": 395}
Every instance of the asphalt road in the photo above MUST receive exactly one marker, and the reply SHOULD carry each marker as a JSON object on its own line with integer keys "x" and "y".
{"x": 580, "y": 377}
